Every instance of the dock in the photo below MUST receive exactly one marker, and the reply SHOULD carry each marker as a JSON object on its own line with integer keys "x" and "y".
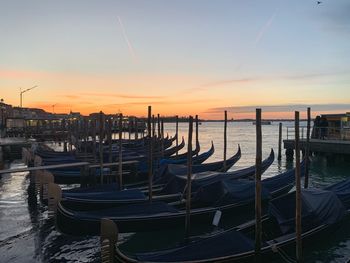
{"x": 320, "y": 146}
{"x": 11, "y": 148}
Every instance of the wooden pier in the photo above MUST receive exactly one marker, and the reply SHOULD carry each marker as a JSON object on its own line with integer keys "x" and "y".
{"x": 319, "y": 146}
{"x": 11, "y": 148}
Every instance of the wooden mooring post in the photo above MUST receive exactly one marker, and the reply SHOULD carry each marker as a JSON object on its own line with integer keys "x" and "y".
{"x": 162, "y": 132}
{"x": 86, "y": 137}
{"x": 136, "y": 129}
{"x": 150, "y": 157}
{"x": 279, "y": 157}
{"x": 94, "y": 129}
{"x": 153, "y": 128}
{"x": 307, "y": 151}
{"x": 297, "y": 191}
{"x": 158, "y": 121}
{"x": 189, "y": 179}
{"x": 225, "y": 139}
{"x": 129, "y": 128}
{"x": 197, "y": 133}
{"x": 258, "y": 172}
{"x": 101, "y": 122}
{"x": 177, "y": 133}
{"x": 109, "y": 138}
{"x": 120, "y": 159}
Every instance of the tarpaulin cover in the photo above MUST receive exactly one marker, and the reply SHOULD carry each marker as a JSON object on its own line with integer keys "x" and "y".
{"x": 168, "y": 171}
{"x": 342, "y": 190}
{"x": 318, "y": 207}
{"x": 228, "y": 192}
{"x": 283, "y": 179}
{"x": 177, "y": 184}
{"x": 219, "y": 245}
{"x": 177, "y": 179}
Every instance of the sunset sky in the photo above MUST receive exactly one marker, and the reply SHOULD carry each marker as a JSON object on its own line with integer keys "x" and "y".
{"x": 182, "y": 57}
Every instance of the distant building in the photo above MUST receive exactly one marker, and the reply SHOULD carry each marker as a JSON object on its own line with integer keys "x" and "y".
{"x": 5, "y": 111}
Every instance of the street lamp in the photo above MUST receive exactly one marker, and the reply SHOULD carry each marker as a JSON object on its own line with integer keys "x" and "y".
{"x": 21, "y": 92}
{"x": 53, "y": 108}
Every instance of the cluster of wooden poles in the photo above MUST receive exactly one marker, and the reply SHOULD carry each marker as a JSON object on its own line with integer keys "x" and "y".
{"x": 258, "y": 225}
{"x": 258, "y": 172}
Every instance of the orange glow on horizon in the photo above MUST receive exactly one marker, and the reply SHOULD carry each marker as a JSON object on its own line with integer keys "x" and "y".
{"x": 142, "y": 112}
{"x": 131, "y": 93}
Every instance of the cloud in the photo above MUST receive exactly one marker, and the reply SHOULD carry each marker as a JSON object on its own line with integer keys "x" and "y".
{"x": 303, "y": 76}
{"x": 192, "y": 90}
{"x": 282, "y": 108}
{"x": 71, "y": 96}
{"x": 307, "y": 76}
{"x": 165, "y": 102}
{"x": 20, "y": 74}
{"x": 230, "y": 81}
{"x": 121, "y": 95}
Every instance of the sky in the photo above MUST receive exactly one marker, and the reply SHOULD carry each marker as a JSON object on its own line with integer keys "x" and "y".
{"x": 182, "y": 57}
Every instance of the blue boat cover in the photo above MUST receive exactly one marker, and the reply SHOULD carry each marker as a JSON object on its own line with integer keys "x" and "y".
{"x": 218, "y": 245}
{"x": 177, "y": 184}
{"x": 283, "y": 179}
{"x": 318, "y": 207}
{"x": 178, "y": 179}
{"x": 342, "y": 190}
{"x": 226, "y": 192}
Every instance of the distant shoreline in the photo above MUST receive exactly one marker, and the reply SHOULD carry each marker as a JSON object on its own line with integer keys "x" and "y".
{"x": 241, "y": 120}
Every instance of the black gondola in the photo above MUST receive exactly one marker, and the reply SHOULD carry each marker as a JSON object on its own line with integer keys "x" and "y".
{"x": 323, "y": 211}
{"x": 111, "y": 197}
{"x": 159, "y": 215}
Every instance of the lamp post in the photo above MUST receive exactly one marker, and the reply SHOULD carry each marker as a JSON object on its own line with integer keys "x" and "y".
{"x": 53, "y": 108}
{"x": 21, "y": 93}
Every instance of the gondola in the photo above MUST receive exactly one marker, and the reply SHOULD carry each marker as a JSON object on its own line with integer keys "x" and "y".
{"x": 73, "y": 175}
{"x": 237, "y": 195}
{"x": 108, "y": 196}
{"x": 158, "y": 145}
{"x": 184, "y": 155}
{"x": 51, "y": 156}
{"x": 204, "y": 172}
{"x": 196, "y": 158}
{"x": 323, "y": 211}
{"x": 88, "y": 200}
{"x": 204, "y": 177}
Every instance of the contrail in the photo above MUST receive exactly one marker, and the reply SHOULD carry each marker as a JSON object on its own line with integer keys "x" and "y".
{"x": 131, "y": 49}
{"x": 264, "y": 28}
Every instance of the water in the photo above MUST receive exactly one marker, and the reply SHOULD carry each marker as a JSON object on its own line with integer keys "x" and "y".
{"x": 26, "y": 234}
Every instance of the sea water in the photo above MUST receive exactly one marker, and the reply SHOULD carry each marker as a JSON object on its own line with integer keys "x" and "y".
{"x": 26, "y": 235}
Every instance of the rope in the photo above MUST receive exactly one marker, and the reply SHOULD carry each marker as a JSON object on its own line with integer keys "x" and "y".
{"x": 285, "y": 257}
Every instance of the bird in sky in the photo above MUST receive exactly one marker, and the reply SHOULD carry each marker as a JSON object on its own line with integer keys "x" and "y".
{"x": 319, "y": 2}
